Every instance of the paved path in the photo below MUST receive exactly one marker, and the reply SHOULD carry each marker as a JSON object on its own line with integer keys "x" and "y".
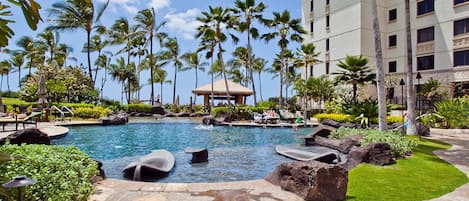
{"x": 119, "y": 190}
{"x": 458, "y": 155}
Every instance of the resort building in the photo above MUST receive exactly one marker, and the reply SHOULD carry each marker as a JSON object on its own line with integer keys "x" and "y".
{"x": 439, "y": 29}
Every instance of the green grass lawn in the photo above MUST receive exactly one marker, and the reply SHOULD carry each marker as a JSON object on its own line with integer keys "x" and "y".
{"x": 421, "y": 177}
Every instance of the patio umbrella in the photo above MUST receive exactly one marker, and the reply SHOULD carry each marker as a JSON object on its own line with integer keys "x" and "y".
{"x": 41, "y": 92}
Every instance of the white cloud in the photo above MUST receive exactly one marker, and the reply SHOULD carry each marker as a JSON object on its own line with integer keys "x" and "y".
{"x": 159, "y": 4}
{"x": 184, "y": 23}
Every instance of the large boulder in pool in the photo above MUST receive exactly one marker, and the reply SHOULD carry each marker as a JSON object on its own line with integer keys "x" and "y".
{"x": 28, "y": 136}
{"x": 158, "y": 110}
{"x": 116, "y": 119}
{"x": 311, "y": 180}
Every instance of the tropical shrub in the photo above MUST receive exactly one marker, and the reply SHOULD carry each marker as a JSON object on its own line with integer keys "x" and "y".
{"x": 68, "y": 84}
{"x": 78, "y": 105}
{"x": 394, "y": 119}
{"x": 336, "y": 117}
{"x": 62, "y": 173}
{"x": 96, "y": 112}
{"x": 217, "y": 111}
{"x": 455, "y": 112}
{"x": 266, "y": 104}
{"x": 400, "y": 145}
{"x": 143, "y": 108}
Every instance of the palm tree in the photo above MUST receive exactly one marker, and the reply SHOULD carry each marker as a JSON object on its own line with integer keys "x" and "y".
{"x": 208, "y": 44}
{"x": 28, "y": 49}
{"x": 50, "y": 41}
{"x": 240, "y": 58}
{"x": 97, "y": 45}
{"x": 288, "y": 61}
{"x": 63, "y": 53}
{"x": 146, "y": 22}
{"x": 172, "y": 53}
{"x": 355, "y": 71}
{"x": 160, "y": 77}
{"x": 17, "y": 60}
{"x": 5, "y": 69}
{"x": 117, "y": 72}
{"x": 286, "y": 29}
{"x": 306, "y": 56}
{"x": 382, "y": 111}
{"x": 77, "y": 14}
{"x": 248, "y": 11}
{"x": 411, "y": 128}
{"x": 236, "y": 76}
{"x": 193, "y": 61}
{"x": 258, "y": 66}
{"x": 212, "y": 29}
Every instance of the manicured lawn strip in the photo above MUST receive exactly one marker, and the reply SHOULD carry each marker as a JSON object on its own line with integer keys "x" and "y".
{"x": 421, "y": 177}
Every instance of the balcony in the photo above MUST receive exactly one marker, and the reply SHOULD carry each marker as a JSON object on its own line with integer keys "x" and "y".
{"x": 311, "y": 16}
{"x": 461, "y": 41}
{"x": 327, "y": 56}
{"x": 328, "y": 9}
{"x": 425, "y": 48}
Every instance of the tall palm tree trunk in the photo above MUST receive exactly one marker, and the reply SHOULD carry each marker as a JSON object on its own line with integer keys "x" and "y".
{"x": 220, "y": 58}
{"x": 196, "y": 81}
{"x": 30, "y": 65}
{"x": 174, "y": 84}
{"x": 8, "y": 82}
{"x": 286, "y": 82}
{"x": 249, "y": 64}
{"x": 411, "y": 129}
{"x": 96, "y": 70}
{"x": 19, "y": 76}
{"x": 260, "y": 87}
{"x": 152, "y": 94}
{"x": 88, "y": 48}
{"x": 211, "y": 77}
{"x": 161, "y": 93}
{"x": 382, "y": 111}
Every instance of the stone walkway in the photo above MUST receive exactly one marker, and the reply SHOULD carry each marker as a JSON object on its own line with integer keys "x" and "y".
{"x": 120, "y": 190}
{"x": 458, "y": 155}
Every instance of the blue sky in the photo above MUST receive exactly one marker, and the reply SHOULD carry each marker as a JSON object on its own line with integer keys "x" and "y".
{"x": 180, "y": 16}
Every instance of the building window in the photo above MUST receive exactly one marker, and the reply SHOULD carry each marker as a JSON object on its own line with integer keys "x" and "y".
{"x": 424, "y": 35}
{"x": 461, "y": 26}
{"x": 456, "y": 2}
{"x": 312, "y": 5}
{"x": 392, "y": 15}
{"x": 327, "y": 44}
{"x": 461, "y": 58}
{"x": 327, "y": 68}
{"x": 392, "y": 65}
{"x": 425, "y": 6}
{"x": 392, "y": 40}
{"x": 327, "y": 2}
{"x": 311, "y": 27}
{"x": 327, "y": 21}
{"x": 425, "y": 62}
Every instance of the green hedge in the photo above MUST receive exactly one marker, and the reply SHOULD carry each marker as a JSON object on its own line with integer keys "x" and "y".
{"x": 400, "y": 145}
{"x": 143, "y": 108}
{"x": 96, "y": 112}
{"x": 394, "y": 119}
{"x": 238, "y": 112}
{"x": 455, "y": 112}
{"x": 62, "y": 173}
{"x": 336, "y": 117}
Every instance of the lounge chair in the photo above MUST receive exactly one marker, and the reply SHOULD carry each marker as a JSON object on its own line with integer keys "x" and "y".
{"x": 30, "y": 119}
{"x": 286, "y": 115}
{"x": 271, "y": 117}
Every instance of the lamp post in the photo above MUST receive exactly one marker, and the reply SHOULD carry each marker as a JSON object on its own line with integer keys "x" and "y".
{"x": 402, "y": 83}
{"x": 19, "y": 182}
{"x": 420, "y": 88}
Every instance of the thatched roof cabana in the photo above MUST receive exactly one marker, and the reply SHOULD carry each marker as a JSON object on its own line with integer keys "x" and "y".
{"x": 237, "y": 91}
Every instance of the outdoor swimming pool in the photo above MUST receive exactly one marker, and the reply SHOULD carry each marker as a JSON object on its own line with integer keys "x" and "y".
{"x": 235, "y": 153}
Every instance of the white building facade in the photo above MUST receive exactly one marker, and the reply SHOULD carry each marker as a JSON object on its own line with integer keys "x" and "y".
{"x": 439, "y": 29}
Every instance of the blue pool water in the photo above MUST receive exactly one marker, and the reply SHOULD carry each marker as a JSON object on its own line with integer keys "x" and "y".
{"x": 235, "y": 153}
